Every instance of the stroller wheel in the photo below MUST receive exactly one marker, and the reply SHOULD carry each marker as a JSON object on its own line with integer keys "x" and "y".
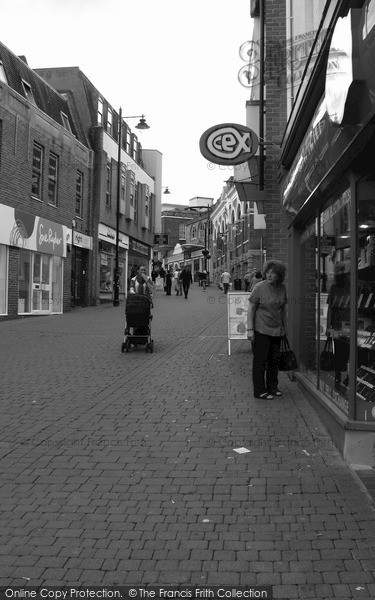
{"x": 123, "y": 345}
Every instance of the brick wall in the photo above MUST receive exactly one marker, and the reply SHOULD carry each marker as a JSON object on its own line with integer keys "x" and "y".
{"x": 275, "y": 122}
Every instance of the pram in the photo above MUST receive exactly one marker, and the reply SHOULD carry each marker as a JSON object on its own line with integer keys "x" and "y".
{"x": 138, "y": 318}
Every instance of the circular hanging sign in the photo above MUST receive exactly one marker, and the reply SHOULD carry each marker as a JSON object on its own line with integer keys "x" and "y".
{"x": 228, "y": 144}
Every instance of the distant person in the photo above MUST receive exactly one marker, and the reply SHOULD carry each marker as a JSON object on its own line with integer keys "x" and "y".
{"x": 204, "y": 277}
{"x": 247, "y": 278}
{"x": 186, "y": 279}
{"x": 256, "y": 279}
{"x": 177, "y": 282}
{"x": 225, "y": 280}
{"x": 168, "y": 282}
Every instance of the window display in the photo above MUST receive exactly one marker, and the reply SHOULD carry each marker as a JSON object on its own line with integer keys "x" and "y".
{"x": 335, "y": 297}
{"x": 308, "y": 302}
{"x": 365, "y": 376}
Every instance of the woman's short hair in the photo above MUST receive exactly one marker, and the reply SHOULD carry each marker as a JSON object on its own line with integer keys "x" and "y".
{"x": 277, "y": 267}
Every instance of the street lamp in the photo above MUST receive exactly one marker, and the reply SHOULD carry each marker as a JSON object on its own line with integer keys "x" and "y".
{"x": 116, "y": 278}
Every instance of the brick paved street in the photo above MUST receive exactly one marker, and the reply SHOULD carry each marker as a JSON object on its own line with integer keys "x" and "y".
{"x": 120, "y": 468}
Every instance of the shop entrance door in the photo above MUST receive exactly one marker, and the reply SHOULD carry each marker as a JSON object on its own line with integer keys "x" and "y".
{"x": 41, "y": 282}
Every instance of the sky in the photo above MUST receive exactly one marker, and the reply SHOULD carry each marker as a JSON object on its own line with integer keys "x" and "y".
{"x": 175, "y": 62}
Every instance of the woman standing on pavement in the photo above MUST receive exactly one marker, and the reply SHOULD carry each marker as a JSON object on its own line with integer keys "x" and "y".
{"x": 266, "y": 324}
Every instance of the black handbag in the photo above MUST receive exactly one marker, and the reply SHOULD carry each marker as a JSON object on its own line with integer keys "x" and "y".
{"x": 327, "y": 357}
{"x": 287, "y": 359}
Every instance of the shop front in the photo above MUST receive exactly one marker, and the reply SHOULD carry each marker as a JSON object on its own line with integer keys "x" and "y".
{"x": 33, "y": 250}
{"x": 80, "y": 246}
{"x": 330, "y": 194}
{"x": 107, "y": 254}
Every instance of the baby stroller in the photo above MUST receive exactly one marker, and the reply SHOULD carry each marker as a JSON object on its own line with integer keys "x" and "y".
{"x": 138, "y": 318}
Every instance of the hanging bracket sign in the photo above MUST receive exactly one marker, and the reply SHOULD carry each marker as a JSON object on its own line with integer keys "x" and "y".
{"x": 228, "y": 144}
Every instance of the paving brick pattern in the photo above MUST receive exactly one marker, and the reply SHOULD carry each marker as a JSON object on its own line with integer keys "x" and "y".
{"x": 120, "y": 468}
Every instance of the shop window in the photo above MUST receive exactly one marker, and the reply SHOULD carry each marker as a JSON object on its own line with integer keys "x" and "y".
{"x": 3, "y": 279}
{"x": 56, "y": 300}
{"x": 365, "y": 368}
{"x": 24, "y": 282}
{"x": 79, "y": 194}
{"x": 53, "y": 173}
{"x": 37, "y": 169}
{"x": 335, "y": 261}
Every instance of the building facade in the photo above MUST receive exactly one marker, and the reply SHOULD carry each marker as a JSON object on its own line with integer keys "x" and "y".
{"x": 319, "y": 65}
{"x": 127, "y": 184}
{"x": 238, "y": 236}
{"x": 45, "y": 187}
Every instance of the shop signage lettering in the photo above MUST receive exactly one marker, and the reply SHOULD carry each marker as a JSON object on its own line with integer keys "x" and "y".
{"x": 228, "y": 144}
{"x": 49, "y": 238}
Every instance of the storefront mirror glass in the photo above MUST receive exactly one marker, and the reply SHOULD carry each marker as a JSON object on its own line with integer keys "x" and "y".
{"x": 308, "y": 303}
{"x": 365, "y": 375}
{"x": 335, "y": 261}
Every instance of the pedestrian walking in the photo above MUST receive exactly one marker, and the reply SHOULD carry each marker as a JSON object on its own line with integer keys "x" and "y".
{"x": 247, "y": 279}
{"x": 266, "y": 324}
{"x": 187, "y": 279}
{"x": 141, "y": 283}
{"x": 177, "y": 282}
{"x": 204, "y": 276}
{"x": 225, "y": 280}
{"x": 168, "y": 282}
{"x": 256, "y": 279}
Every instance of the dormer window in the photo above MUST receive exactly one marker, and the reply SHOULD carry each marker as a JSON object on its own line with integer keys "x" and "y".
{"x": 65, "y": 121}
{"x": 109, "y": 121}
{"x": 28, "y": 91}
{"x": 3, "y": 76}
{"x": 100, "y": 111}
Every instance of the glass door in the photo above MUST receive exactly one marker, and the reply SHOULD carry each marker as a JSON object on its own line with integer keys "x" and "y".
{"x": 41, "y": 282}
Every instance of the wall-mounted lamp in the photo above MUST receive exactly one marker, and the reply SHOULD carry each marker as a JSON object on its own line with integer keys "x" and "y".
{"x": 166, "y": 190}
{"x": 142, "y": 122}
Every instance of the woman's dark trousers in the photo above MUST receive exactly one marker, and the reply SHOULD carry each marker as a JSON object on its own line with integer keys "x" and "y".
{"x": 265, "y": 367}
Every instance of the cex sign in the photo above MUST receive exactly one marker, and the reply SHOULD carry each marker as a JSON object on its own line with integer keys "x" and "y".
{"x": 228, "y": 144}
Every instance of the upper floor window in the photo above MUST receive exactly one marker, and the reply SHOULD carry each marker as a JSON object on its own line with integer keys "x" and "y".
{"x": 100, "y": 111}
{"x": 36, "y": 187}
{"x": 110, "y": 121}
{"x": 132, "y": 188}
{"x": 134, "y": 147}
{"x": 79, "y": 194}
{"x": 147, "y": 201}
{"x": 28, "y": 91}
{"x": 123, "y": 183}
{"x": 53, "y": 172}
{"x": 182, "y": 232}
{"x": 3, "y": 76}
{"x": 128, "y": 142}
{"x": 108, "y": 185}
{"x": 65, "y": 121}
